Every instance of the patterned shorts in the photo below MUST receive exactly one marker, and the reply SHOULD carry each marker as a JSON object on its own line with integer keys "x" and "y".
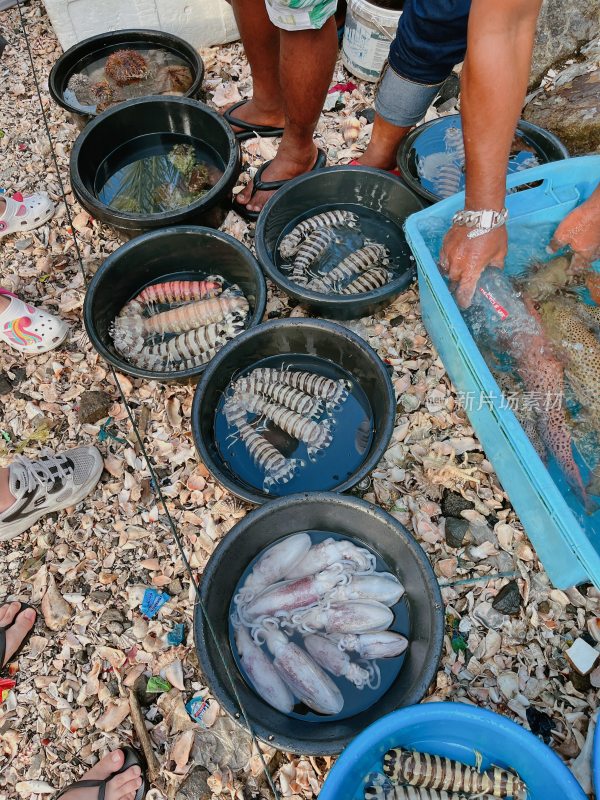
{"x": 300, "y": 15}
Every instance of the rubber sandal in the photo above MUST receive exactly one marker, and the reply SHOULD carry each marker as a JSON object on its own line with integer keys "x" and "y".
{"x": 395, "y": 171}
{"x": 258, "y": 185}
{"x": 30, "y": 329}
{"x": 133, "y": 758}
{"x": 4, "y": 628}
{"x": 248, "y": 129}
{"x": 25, "y": 213}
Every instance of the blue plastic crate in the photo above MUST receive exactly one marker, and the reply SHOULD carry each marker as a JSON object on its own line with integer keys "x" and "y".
{"x": 567, "y": 544}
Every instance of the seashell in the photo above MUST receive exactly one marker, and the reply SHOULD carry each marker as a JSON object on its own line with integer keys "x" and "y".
{"x": 113, "y": 716}
{"x": 484, "y": 550}
{"x": 180, "y": 752}
{"x": 28, "y": 788}
{"x": 139, "y": 629}
{"x": 39, "y": 584}
{"x": 173, "y": 672}
{"x": 174, "y": 711}
{"x": 508, "y": 683}
{"x": 116, "y": 658}
{"x": 57, "y": 612}
{"x": 350, "y": 129}
{"x": 593, "y": 627}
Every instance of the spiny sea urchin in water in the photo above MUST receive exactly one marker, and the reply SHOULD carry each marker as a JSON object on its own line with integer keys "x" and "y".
{"x": 126, "y": 66}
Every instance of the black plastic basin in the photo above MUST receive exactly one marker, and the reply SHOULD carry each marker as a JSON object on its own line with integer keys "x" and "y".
{"x": 365, "y": 524}
{"x": 154, "y": 115}
{"x": 548, "y": 147}
{"x": 185, "y": 252}
{"x": 84, "y": 53}
{"x": 301, "y": 336}
{"x": 336, "y": 187}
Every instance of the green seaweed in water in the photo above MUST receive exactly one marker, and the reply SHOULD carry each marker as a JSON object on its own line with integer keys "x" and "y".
{"x": 160, "y": 183}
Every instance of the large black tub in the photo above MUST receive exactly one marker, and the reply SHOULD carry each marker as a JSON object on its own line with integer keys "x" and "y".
{"x": 438, "y": 178}
{"x": 128, "y": 128}
{"x": 382, "y": 203}
{"x": 89, "y": 55}
{"x": 366, "y": 525}
{"x": 177, "y": 253}
{"x": 319, "y": 344}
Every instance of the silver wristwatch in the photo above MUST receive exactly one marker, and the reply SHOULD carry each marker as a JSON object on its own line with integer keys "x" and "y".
{"x": 481, "y": 222}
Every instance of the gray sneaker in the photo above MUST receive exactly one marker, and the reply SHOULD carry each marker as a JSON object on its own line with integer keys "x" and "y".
{"x": 49, "y": 484}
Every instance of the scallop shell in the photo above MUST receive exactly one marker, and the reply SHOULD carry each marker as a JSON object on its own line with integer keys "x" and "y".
{"x": 350, "y": 129}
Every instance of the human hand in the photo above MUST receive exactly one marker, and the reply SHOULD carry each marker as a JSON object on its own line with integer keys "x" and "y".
{"x": 465, "y": 259}
{"x": 580, "y": 230}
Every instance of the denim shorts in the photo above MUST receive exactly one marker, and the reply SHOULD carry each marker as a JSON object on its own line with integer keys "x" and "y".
{"x": 402, "y": 102}
{"x": 300, "y": 15}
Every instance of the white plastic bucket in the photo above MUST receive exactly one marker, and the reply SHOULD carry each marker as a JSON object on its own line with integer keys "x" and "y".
{"x": 368, "y": 34}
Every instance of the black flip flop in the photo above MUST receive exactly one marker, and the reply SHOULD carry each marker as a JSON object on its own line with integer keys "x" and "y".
{"x": 133, "y": 758}
{"x": 4, "y": 628}
{"x": 258, "y": 185}
{"x": 248, "y": 129}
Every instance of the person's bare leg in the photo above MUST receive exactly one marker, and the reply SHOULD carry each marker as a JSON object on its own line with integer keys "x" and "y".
{"x": 261, "y": 45}
{"x": 383, "y": 147}
{"x": 307, "y": 59}
{"x": 6, "y": 498}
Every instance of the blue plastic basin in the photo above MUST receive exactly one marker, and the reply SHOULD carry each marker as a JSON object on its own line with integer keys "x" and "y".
{"x": 454, "y": 730}
{"x": 566, "y": 540}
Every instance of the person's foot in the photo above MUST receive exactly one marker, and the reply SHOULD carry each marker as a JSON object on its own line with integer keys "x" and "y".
{"x": 28, "y": 329}
{"x": 255, "y": 113}
{"x": 287, "y": 164}
{"x": 31, "y": 489}
{"x": 580, "y": 230}
{"x": 121, "y": 787}
{"x": 23, "y": 622}
{"x": 372, "y": 158}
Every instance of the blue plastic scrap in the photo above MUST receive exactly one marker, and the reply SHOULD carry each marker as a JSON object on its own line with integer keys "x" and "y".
{"x": 196, "y": 708}
{"x": 152, "y": 602}
{"x": 175, "y": 636}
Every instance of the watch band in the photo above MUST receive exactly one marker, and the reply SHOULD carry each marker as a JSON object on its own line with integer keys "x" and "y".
{"x": 480, "y": 222}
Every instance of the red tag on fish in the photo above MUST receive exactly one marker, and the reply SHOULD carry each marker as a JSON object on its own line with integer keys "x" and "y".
{"x": 500, "y": 310}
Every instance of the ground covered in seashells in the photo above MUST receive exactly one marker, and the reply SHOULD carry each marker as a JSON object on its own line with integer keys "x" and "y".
{"x": 71, "y": 702}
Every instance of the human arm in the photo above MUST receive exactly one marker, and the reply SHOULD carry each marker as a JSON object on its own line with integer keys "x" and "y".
{"x": 580, "y": 230}
{"x": 493, "y": 86}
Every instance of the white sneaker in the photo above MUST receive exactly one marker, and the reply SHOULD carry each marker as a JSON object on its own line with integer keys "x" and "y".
{"x": 49, "y": 484}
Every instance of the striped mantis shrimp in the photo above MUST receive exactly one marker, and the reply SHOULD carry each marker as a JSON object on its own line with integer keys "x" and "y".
{"x": 280, "y": 393}
{"x": 443, "y": 172}
{"x": 332, "y": 391}
{"x": 328, "y": 219}
{"x": 395, "y": 792}
{"x": 172, "y": 292}
{"x": 436, "y": 772}
{"x": 189, "y": 349}
{"x": 355, "y": 263}
{"x": 453, "y": 139}
{"x": 316, "y": 435}
{"x": 276, "y": 468}
{"x": 367, "y": 282}
{"x": 309, "y": 251}
{"x": 127, "y": 330}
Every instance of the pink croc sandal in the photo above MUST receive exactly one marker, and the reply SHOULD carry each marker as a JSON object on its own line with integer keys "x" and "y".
{"x": 29, "y": 329}
{"x": 25, "y": 213}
